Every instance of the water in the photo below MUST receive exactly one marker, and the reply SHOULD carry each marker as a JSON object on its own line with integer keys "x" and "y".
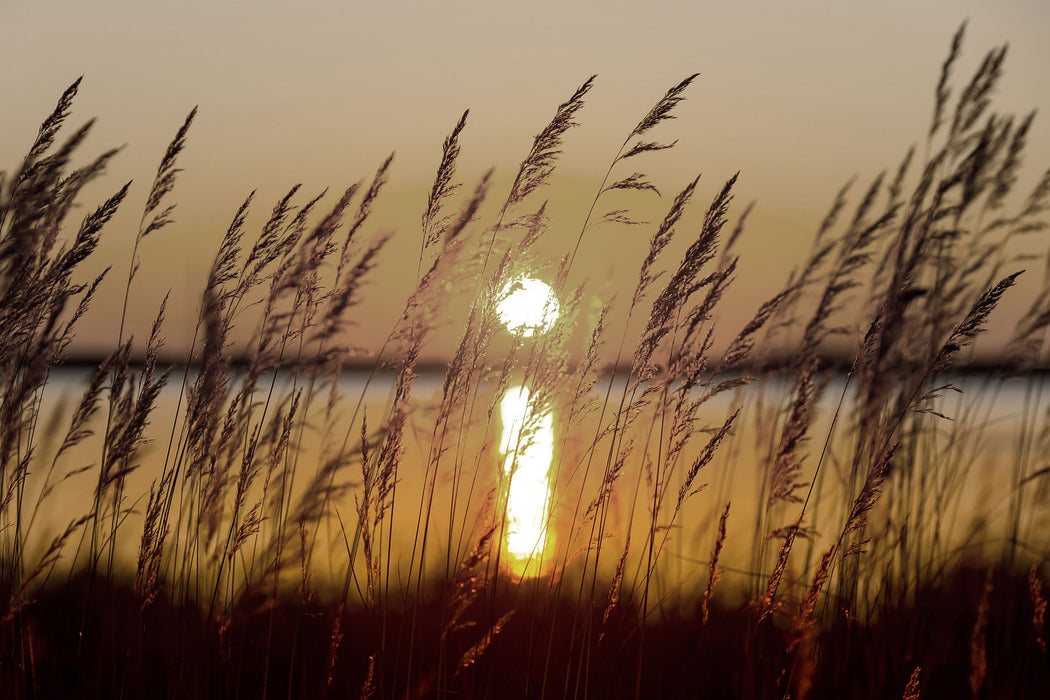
{"x": 958, "y": 492}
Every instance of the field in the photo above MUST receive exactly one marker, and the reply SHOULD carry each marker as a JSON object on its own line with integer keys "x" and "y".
{"x": 842, "y": 496}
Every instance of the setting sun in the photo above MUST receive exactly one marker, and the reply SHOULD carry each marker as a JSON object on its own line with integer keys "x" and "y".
{"x": 528, "y": 306}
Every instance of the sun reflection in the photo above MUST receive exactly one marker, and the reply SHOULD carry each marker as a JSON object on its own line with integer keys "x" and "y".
{"x": 528, "y": 446}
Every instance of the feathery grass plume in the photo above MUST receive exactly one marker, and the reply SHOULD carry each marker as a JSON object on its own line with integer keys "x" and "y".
{"x": 582, "y": 400}
{"x": 661, "y": 237}
{"x": 1006, "y": 176}
{"x": 635, "y": 181}
{"x": 468, "y": 582}
{"x": 86, "y": 240}
{"x": 786, "y": 464}
{"x": 361, "y": 214}
{"x": 897, "y": 184}
{"x": 19, "y": 599}
{"x": 729, "y": 247}
{"x": 279, "y": 438}
{"x": 271, "y": 335}
{"x": 767, "y": 605}
{"x": 688, "y": 368}
{"x": 966, "y": 330}
{"x": 714, "y": 575}
{"x": 665, "y": 315}
{"x": 49, "y": 129}
{"x": 443, "y": 188}
{"x": 742, "y": 346}
{"x": 39, "y": 198}
{"x": 976, "y": 96}
{"x": 868, "y": 497}
{"x": 151, "y": 547}
{"x": 129, "y": 416}
{"x": 334, "y": 640}
{"x": 368, "y": 688}
{"x": 79, "y": 429}
{"x": 973, "y": 175}
{"x": 362, "y": 506}
{"x": 66, "y": 194}
{"x": 830, "y": 218}
{"x": 610, "y": 478}
{"x": 979, "y": 641}
{"x": 224, "y": 266}
{"x": 314, "y": 502}
{"x": 266, "y": 250}
{"x": 660, "y": 112}
{"x": 911, "y": 691}
{"x": 24, "y": 225}
{"x": 215, "y": 479}
{"x": 684, "y": 282}
{"x": 809, "y": 603}
{"x": 853, "y": 255}
{"x": 344, "y": 295}
{"x": 297, "y": 278}
{"x": 423, "y": 304}
{"x": 901, "y": 266}
{"x": 305, "y": 594}
{"x": 35, "y": 345}
{"x": 303, "y": 256}
{"x": 856, "y": 520}
{"x": 1035, "y": 590}
{"x": 1036, "y": 204}
{"x": 703, "y": 459}
{"x": 471, "y": 655}
{"x": 208, "y": 392}
{"x": 943, "y": 92}
{"x": 392, "y": 448}
{"x": 164, "y": 182}
{"x": 688, "y": 362}
{"x": 132, "y": 412}
{"x": 614, "y": 588}
{"x": 799, "y": 281}
{"x": 539, "y": 164}
{"x": 34, "y": 294}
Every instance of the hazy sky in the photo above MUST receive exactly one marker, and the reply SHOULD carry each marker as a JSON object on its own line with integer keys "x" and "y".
{"x": 798, "y": 96}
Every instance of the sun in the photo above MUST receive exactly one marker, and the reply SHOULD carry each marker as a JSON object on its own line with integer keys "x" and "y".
{"x": 527, "y": 306}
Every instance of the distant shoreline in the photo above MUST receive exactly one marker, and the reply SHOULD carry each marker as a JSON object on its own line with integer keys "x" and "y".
{"x": 776, "y": 365}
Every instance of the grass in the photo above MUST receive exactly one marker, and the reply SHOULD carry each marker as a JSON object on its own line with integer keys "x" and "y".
{"x": 281, "y": 538}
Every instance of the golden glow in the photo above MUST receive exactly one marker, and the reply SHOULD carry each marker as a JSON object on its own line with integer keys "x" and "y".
{"x": 528, "y": 446}
{"x": 528, "y": 306}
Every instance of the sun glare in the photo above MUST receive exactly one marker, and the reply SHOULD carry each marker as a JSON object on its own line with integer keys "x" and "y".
{"x": 528, "y": 306}
{"x": 528, "y": 449}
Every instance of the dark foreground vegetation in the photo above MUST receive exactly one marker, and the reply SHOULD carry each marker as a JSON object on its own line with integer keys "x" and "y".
{"x": 284, "y": 546}
{"x": 287, "y": 649}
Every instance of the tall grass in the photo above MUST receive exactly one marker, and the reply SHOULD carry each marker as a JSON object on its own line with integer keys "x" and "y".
{"x": 291, "y": 543}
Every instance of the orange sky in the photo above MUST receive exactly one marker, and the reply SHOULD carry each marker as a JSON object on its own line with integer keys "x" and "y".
{"x": 798, "y": 96}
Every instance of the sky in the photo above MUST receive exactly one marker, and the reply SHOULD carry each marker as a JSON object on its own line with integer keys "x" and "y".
{"x": 798, "y": 97}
